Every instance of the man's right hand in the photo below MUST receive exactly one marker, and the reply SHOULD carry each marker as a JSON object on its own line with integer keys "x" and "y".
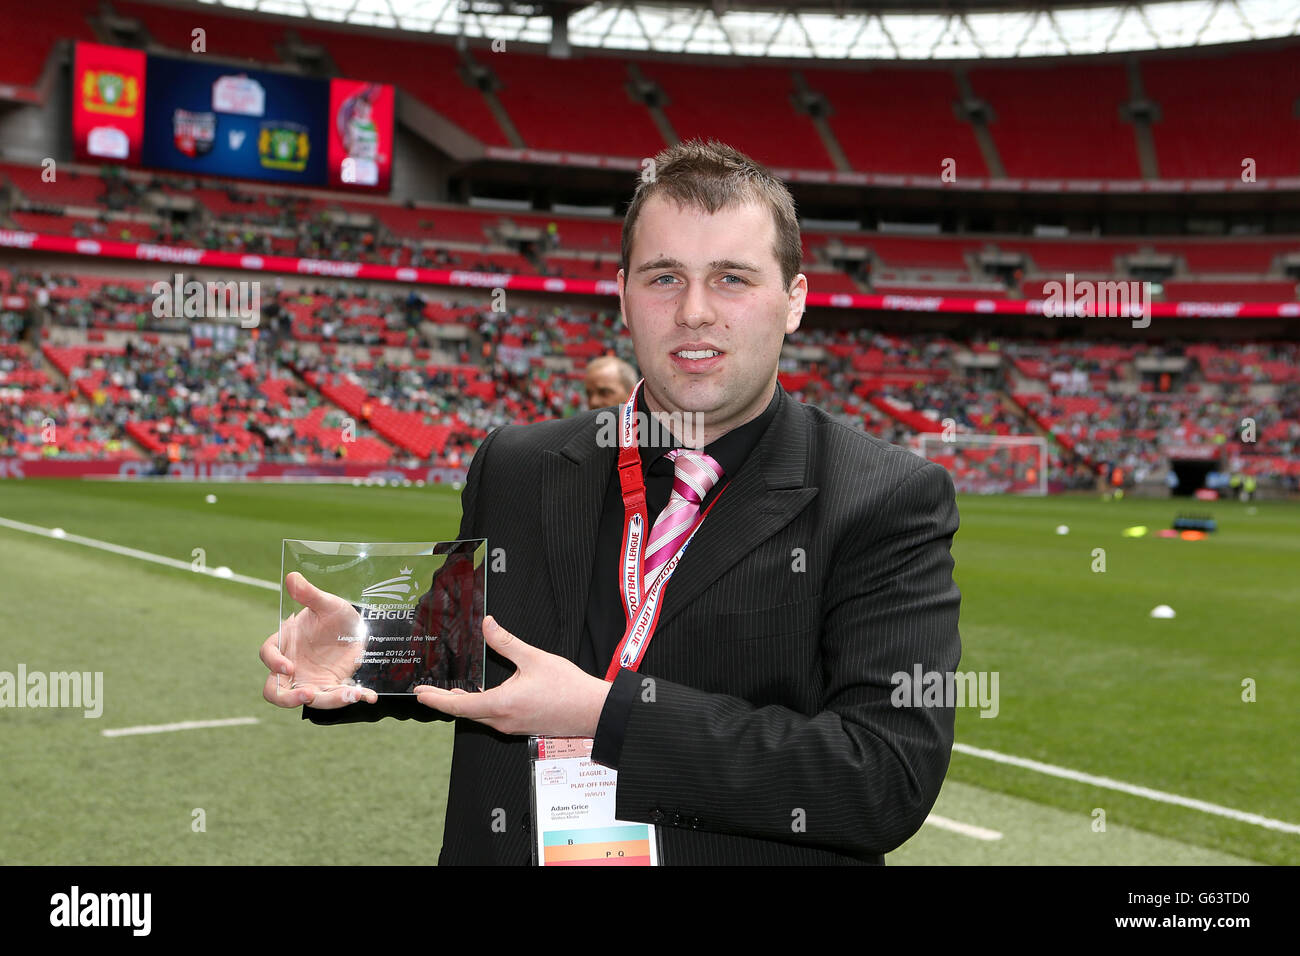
{"x": 312, "y": 656}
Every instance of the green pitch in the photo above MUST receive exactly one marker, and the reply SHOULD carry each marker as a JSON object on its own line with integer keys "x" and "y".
{"x": 1087, "y": 682}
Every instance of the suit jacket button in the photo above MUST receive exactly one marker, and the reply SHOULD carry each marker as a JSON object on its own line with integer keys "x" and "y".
{"x": 677, "y": 819}
{"x": 656, "y": 816}
{"x": 695, "y": 823}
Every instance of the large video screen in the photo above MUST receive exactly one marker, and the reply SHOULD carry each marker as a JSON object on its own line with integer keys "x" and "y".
{"x": 108, "y": 104}
{"x": 215, "y": 120}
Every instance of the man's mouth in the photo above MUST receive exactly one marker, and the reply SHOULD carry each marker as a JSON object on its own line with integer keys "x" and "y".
{"x": 697, "y": 358}
{"x": 696, "y": 353}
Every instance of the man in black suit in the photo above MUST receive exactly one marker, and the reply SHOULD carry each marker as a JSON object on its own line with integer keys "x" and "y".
{"x": 759, "y": 727}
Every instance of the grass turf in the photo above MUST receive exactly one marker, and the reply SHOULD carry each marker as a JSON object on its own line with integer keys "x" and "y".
{"x": 1086, "y": 679}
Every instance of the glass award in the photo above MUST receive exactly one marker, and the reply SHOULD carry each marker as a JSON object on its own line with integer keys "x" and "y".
{"x": 385, "y": 617}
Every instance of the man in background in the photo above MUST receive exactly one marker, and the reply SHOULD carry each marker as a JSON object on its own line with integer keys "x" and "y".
{"x": 609, "y": 382}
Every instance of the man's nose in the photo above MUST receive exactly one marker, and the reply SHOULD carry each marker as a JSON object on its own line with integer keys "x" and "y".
{"x": 694, "y": 308}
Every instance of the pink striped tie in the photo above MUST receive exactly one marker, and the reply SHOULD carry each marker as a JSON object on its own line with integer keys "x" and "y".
{"x": 694, "y": 473}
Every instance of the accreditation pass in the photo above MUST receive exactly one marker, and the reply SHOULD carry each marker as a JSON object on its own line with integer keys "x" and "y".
{"x": 573, "y": 808}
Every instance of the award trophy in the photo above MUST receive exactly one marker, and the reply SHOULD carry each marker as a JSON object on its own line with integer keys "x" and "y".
{"x": 388, "y": 616}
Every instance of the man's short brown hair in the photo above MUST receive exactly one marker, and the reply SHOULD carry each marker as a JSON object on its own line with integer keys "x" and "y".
{"x": 712, "y": 176}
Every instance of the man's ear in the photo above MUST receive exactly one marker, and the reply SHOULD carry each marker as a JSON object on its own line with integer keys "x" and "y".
{"x": 798, "y": 301}
{"x": 622, "y": 284}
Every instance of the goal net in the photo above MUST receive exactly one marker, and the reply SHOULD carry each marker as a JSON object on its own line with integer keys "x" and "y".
{"x": 989, "y": 464}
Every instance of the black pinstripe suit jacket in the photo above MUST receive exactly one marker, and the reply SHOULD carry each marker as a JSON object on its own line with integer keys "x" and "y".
{"x": 823, "y": 570}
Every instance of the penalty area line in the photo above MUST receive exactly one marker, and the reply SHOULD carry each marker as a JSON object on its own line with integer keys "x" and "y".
{"x": 965, "y": 829}
{"x": 181, "y": 725}
{"x": 58, "y": 534}
{"x": 1108, "y": 783}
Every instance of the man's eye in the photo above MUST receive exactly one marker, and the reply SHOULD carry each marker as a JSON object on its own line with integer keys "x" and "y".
{"x": 738, "y": 279}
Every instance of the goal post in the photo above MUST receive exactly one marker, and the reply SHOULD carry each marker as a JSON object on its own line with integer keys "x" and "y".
{"x": 989, "y": 464}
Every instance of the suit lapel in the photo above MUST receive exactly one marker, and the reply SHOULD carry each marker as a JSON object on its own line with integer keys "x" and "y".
{"x": 761, "y": 500}
{"x": 573, "y": 484}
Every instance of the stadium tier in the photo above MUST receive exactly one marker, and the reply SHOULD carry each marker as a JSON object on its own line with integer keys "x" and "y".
{"x": 43, "y": 26}
{"x": 533, "y": 86}
{"x": 228, "y": 36}
{"x": 429, "y": 71}
{"x": 738, "y": 105}
{"x": 881, "y": 131}
{"x": 1046, "y": 126}
{"x": 1204, "y": 111}
{"x": 368, "y": 375}
{"x": 240, "y": 218}
{"x": 1217, "y": 110}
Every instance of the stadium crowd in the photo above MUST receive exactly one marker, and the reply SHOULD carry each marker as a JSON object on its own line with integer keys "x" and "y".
{"x": 266, "y": 394}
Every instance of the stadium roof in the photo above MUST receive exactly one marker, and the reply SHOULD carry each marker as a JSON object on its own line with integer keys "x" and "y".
{"x": 825, "y": 29}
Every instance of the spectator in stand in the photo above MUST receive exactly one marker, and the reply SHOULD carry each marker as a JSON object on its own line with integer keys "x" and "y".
{"x": 609, "y": 381}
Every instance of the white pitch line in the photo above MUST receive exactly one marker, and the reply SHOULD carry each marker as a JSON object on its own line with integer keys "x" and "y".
{"x": 1045, "y": 768}
{"x": 965, "y": 829}
{"x": 134, "y": 553}
{"x": 1110, "y": 784}
{"x": 182, "y": 725}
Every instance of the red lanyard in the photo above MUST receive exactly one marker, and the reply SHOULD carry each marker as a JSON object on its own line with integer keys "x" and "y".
{"x": 641, "y": 606}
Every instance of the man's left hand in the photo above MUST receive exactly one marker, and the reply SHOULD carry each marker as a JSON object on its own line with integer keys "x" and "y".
{"x": 547, "y": 695}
